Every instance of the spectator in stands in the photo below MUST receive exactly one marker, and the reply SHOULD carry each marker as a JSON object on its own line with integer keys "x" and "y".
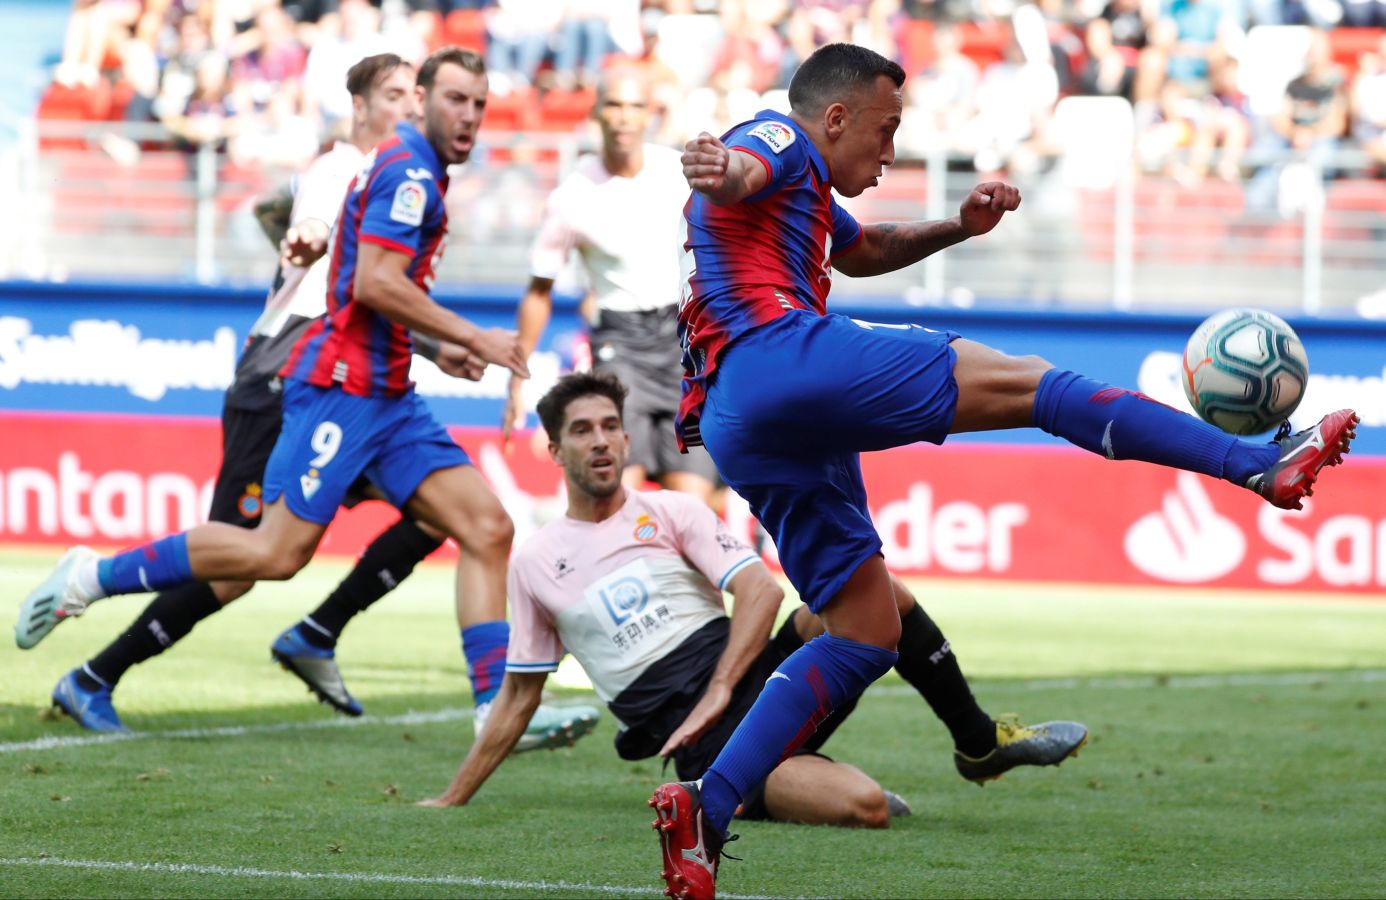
{"x": 1364, "y": 13}
{"x": 274, "y": 63}
{"x": 1309, "y": 125}
{"x": 1015, "y": 101}
{"x": 941, "y": 97}
{"x": 1191, "y": 132}
{"x": 1120, "y": 59}
{"x": 810, "y": 25}
{"x": 352, "y": 36}
{"x": 179, "y": 76}
{"x": 96, "y": 34}
{"x": 1369, "y": 105}
{"x": 1191, "y": 34}
{"x": 1227, "y": 130}
{"x": 517, "y": 35}
{"x": 210, "y": 115}
{"x": 584, "y": 40}
{"x": 753, "y": 50}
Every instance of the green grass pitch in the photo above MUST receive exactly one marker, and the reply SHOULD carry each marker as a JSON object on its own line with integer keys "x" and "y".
{"x": 1238, "y": 750}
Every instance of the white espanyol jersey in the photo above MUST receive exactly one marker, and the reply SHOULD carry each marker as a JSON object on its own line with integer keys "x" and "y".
{"x": 318, "y": 194}
{"x": 623, "y": 593}
{"x": 626, "y": 229}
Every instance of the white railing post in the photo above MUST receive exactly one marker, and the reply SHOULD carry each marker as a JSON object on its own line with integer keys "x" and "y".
{"x": 1313, "y": 243}
{"x": 1124, "y": 237}
{"x": 206, "y": 221}
{"x": 935, "y": 206}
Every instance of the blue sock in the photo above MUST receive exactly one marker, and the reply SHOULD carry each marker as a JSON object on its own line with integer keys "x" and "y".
{"x": 820, "y": 675}
{"x": 155, "y": 566}
{"x": 1122, "y": 424}
{"x": 484, "y": 647}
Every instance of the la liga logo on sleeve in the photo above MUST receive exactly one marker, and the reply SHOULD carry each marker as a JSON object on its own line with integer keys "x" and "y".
{"x": 775, "y": 135}
{"x": 410, "y": 199}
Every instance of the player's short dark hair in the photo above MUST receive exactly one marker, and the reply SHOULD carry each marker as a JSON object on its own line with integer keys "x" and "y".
{"x": 553, "y": 406}
{"x": 363, "y": 77}
{"x": 468, "y": 59}
{"x": 836, "y": 71}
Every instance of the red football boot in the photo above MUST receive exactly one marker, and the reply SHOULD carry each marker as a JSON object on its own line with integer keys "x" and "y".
{"x": 691, "y": 849}
{"x": 1302, "y": 455}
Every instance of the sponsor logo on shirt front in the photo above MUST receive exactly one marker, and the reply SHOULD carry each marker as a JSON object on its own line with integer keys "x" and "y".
{"x": 629, "y": 609}
{"x": 408, "y": 208}
{"x": 775, "y": 135}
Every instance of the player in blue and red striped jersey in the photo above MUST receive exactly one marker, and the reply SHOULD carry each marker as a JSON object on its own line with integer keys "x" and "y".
{"x": 349, "y": 408}
{"x": 785, "y": 395}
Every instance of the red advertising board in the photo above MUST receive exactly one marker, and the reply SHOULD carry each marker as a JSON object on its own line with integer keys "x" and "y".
{"x": 1008, "y": 512}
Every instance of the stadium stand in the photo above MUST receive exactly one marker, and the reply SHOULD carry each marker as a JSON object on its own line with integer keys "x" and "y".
{"x": 1208, "y": 191}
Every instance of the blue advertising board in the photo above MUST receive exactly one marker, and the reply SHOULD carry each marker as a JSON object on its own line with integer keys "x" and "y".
{"x": 162, "y": 350}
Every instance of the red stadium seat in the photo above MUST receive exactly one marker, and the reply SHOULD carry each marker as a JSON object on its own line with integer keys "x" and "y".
{"x": 73, "y": 104}
{"x": 1348, "y": 45}
{"x": 565, "y": 110}
{"x": 465, "y": 28}
{"x": 984, "y": 42}
{"x": 514, "y": 111}
{"x": 916, "y": 41}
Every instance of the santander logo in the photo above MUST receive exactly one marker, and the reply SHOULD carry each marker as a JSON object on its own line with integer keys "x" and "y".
{"x": 1186, "y": 541}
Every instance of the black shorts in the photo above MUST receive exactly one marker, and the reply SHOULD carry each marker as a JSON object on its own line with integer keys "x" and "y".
{"x": 247, "y": 437}
{"x": 642, "y": 349}
{"x": 693, "y": 761}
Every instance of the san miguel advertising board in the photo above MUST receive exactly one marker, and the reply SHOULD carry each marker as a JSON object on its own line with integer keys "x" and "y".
{"x": 110, "y": 397}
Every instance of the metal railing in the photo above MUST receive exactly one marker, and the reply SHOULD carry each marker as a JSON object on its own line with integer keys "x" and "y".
{"x": 1138, "y": 243}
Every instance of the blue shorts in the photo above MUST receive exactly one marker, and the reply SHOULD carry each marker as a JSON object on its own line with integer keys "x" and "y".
{"x": 792, "y": 405}
{"x": 330, "y": 438}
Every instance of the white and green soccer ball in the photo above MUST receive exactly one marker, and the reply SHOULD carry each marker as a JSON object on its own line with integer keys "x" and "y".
{"x": 1245, "y": 370}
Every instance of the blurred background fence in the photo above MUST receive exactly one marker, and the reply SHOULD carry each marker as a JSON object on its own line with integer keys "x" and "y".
{"x": 1092, "y": 234}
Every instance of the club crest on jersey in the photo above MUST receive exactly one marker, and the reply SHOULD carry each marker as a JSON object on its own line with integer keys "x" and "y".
{"x": 309, "y": 484}
{"x": 408, "y": 208}
{"x": 250, "y": 504}
{"x": 646, "y": 529}
{"x": 775, "y": 135}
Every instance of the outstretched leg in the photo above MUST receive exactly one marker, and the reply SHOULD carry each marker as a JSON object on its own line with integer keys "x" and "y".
{"x": 999, "y": 391}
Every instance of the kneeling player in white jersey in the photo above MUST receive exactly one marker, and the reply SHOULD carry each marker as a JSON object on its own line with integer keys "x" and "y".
{"x": 631, "y": 584}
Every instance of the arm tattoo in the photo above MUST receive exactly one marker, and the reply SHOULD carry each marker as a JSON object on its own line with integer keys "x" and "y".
{"x": 899, "y": 244}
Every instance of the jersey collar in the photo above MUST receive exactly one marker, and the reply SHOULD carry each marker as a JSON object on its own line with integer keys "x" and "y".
{"x": 820, "y": 167}
{"x": 421, "y": 148}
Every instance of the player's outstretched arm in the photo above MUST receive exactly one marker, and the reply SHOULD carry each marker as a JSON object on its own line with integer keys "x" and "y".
{"x": 888, "y": 246}
{"x": 532, "y": 317}
{"x": 382, "y": 283}
{"x": 758, "y": 599}
{"x": 510, "y": 712}
{"x": 721, "y": 175}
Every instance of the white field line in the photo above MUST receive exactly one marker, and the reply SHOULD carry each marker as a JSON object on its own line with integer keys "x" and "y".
{"x": 1130, "y": 682}
{"x": 1181, "y": 682}
{"x": 162, "y": 868}
{"x": 451, "y": 714}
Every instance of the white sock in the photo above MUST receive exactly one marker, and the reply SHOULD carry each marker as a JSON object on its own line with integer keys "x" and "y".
{"x": 89, "y": 579}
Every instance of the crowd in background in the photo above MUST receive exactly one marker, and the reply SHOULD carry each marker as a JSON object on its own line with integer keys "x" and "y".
{"x": 264, "y": 78}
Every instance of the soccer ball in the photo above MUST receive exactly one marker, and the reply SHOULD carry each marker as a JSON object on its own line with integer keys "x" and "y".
{"x": 1245, "y": 370}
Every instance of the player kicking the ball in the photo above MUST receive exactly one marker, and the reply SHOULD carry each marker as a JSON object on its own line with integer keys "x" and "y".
{"x": 631, "y": 583}
{"x": 785, "y": 396}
